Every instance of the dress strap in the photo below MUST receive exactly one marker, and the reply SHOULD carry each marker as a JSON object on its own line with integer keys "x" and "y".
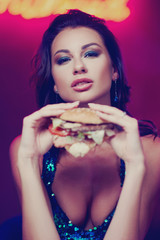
{"x": 50, "y": 160}
{"x": 122, "y": 171}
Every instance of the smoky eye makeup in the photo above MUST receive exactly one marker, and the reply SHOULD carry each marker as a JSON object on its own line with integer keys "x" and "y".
{"x": 91, "y": 53}
{"x": 62, "y": 57}
{"x": 62, "y": 60}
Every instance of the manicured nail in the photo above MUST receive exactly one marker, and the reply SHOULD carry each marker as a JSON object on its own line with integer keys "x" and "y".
{"x": 74, "y": 103}
{"x": 91, "y": 104}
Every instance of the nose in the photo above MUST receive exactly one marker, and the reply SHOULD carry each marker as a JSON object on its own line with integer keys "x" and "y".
{"x": 79, "y": 67}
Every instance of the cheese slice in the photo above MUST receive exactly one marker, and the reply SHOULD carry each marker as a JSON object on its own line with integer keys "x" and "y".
{"x": 78, "y": 149}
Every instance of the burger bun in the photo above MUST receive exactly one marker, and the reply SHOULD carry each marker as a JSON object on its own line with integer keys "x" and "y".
{"x": 82, "y": 115}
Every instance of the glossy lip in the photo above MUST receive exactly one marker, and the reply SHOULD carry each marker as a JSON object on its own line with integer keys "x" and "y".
{"x": 81, "y": 80}
{"x": 86, "y": 84}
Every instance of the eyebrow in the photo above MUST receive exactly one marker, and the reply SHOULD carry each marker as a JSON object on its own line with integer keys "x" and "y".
{"x": 83, "y": 47}
{"x": 90, "y": 44}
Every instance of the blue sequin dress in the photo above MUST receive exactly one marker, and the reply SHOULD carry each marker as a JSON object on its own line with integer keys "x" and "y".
{"x": 67, "y": 230}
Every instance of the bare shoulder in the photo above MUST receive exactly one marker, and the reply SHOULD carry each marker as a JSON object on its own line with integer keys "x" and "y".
{"x": 13, "y": 150}
{"x": 151, "y": 148}
{"x": 14, "y": 146}
{"x": 151, "y": 183}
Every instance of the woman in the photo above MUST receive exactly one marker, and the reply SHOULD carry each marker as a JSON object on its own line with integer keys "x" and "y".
{"x": 91, "y": 197}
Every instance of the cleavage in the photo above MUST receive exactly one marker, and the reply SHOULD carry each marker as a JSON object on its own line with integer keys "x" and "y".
{"x": 87, "y": 195}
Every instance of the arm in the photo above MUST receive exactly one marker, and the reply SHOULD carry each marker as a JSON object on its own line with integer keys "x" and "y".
{"x": 36, "y": 211}
{"x": 26, "y": 155}
{"x": 126, "y": 220}
{"x": 125, "y": 224}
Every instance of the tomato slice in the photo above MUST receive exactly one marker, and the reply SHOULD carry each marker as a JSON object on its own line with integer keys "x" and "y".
{"x": 58, "y": 131}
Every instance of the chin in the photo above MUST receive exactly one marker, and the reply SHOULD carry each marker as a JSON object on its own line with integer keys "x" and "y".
{"x": 86, "y": 97}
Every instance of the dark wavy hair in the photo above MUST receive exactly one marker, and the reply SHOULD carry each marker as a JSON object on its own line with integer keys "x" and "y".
{"x": 43, "y": 79}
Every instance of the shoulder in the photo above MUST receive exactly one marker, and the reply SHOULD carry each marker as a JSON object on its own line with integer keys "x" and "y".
{"x": 14, "y": 146}
{"x": 13, "y": 151}
{"x": 151, "y": 185}
{"x": 151, "y": 147}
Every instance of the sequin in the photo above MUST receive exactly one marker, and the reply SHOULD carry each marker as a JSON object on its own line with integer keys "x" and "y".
{"x": 67, "y": 230}
{"x": 50, "y": 167}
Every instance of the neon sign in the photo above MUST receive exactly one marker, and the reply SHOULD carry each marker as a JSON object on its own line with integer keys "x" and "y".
{"x": 115, "y": 10}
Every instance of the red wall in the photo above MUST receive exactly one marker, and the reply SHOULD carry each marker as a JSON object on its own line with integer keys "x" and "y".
{"x": 139, "y": 39}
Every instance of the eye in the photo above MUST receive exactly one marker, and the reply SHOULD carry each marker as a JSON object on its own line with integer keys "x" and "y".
{"x": 91, "y": 54}
{"x": 62, "y": 60}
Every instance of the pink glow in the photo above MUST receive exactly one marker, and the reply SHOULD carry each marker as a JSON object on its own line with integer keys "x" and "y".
{"x": 110, "y": 10}
{"x": 139, "y": 40}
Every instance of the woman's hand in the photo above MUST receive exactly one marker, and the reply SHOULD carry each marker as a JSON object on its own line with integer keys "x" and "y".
{"x": 36, "y": 139}
{"x": 127, "y": 143}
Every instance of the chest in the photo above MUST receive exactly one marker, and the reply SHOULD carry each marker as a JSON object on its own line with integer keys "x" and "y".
{"x": 87, "y": 194}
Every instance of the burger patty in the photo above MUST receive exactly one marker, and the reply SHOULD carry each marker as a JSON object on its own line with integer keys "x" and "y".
{"x": 94, "y": 127}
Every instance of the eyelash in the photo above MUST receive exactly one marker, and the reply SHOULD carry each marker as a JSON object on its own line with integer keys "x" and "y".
{"x": 91, "y": 54}
{"x": 88, "y": 54}
{"x": 62, "y": 60}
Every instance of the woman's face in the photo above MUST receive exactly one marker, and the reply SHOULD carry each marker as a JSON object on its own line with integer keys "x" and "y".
{"x": 81, "y": 66}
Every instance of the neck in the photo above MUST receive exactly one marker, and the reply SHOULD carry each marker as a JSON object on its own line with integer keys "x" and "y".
{"x": 103, "y": 101}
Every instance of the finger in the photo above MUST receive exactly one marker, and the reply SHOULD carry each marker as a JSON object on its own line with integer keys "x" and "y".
{"x": 106, "y": 109}
{"x": 44, "y": 113}
{"x": 127, "y": 123}
{"x": 114, "y": 115}
{"x": 62, "y": 105}
{"x": 53, "y": 110}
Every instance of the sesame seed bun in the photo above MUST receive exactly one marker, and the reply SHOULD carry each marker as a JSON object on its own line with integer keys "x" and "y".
{"x": 82, "y": 115}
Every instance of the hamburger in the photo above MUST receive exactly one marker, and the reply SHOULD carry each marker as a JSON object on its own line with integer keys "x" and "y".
{"x": 80, "y": 129}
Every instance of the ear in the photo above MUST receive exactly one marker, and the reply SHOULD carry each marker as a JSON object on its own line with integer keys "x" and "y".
{"x": 115, "y": 75}
{"x": 55, "y": 89}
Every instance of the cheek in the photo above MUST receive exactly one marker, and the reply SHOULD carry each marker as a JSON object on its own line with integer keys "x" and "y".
{"x": 104, "y": 71}
{"x": 60, "y": 76}
{"x": 57, "y": 74}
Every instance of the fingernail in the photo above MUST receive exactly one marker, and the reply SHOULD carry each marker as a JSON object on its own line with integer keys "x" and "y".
{"x": 76, "y": 102}
{"x": 91, "y": 104}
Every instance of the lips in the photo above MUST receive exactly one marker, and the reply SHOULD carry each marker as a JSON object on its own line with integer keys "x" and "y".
{"x": 82, "y": 84}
